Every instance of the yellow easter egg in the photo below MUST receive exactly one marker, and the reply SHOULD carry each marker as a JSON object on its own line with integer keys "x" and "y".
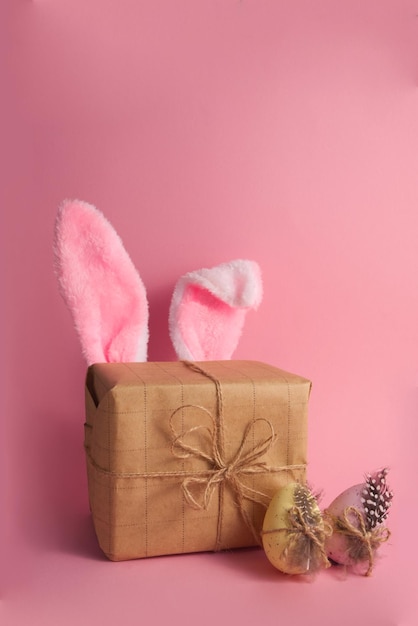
{"x": 293, "y": 531}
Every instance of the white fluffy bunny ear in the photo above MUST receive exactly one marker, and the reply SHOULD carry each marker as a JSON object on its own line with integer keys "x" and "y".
{"x": 208, "y": 309}
{"x": 100, "y": 286}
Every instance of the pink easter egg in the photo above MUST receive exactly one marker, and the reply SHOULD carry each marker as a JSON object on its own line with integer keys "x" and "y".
{"x": 357, "y": 517}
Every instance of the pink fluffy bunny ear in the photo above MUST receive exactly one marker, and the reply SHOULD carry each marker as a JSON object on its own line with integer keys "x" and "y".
{"x": 208, "y": 309}
{"x": 100, "y": 286}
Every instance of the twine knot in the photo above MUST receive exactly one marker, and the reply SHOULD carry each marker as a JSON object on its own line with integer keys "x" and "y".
{"x": 316, "y": 533}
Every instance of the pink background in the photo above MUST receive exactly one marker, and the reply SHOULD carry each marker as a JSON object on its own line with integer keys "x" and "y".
{"x": 208, "y": 130}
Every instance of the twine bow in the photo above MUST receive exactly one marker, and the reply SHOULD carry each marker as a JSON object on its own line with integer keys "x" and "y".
{"x": 198, "y": 489}
{"x": 362, "y": 542}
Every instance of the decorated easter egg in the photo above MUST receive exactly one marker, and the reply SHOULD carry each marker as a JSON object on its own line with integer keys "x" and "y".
{"x": 356, "y": 517}
{"x": 293, "y": 532}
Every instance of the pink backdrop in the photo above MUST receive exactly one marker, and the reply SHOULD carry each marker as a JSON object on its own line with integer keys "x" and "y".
{"x": 284, "y": 132}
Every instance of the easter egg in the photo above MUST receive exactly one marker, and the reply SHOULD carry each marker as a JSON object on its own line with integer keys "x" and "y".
{"x": 293, "y": 531}
{"x": 357, "y": 517}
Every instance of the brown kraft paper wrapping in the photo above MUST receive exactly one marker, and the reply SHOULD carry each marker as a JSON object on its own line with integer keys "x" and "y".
{"x": 185, "y": 457}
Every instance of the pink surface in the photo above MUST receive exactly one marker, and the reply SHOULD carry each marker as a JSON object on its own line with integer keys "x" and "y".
{"x": 284, "y": 132}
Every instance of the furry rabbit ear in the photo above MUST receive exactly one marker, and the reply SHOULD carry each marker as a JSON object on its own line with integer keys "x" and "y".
{"x": 208, "y": 309}
{"x": 100, "y": 286}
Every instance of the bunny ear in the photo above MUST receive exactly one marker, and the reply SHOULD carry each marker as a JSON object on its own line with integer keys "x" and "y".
{"x": 208, "y": 309}
{"x": 100, "y": 286}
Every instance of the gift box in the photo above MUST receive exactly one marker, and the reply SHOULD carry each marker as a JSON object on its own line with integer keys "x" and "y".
{"x": 185, "y": 457}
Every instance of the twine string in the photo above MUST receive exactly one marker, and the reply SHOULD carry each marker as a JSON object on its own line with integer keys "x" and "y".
{"x": 224, "y": 472}
{"x": 361, "y": 538}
